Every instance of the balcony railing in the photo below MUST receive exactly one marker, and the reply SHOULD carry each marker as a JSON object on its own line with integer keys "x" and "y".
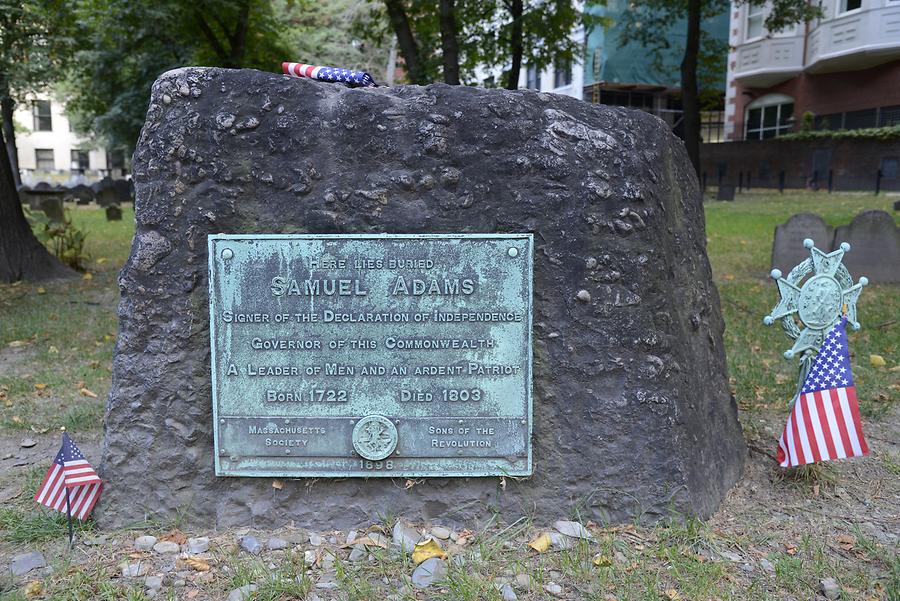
{"x": 769, "y": 61}
{"x": 852, "y": 39}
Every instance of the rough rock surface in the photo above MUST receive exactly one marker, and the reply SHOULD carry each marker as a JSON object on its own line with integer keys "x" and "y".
{"x": 632, "y": 411}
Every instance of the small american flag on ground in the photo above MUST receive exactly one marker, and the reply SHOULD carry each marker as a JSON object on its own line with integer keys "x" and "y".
{"x": 824, "y": 422}
{"x": 330, "y": 74}
{"x": 70, "y": 470}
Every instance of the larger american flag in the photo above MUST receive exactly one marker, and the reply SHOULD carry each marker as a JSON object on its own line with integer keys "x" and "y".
{"x": 824, "y": 422}
{"x": 70, "y": 471}
{"x": 351, "y": 77}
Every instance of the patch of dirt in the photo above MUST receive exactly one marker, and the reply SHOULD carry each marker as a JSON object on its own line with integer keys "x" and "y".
{"x": 16, "y": 360}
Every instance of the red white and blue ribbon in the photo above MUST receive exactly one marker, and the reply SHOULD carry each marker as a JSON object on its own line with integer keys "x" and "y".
{"x": 330, "y": 74}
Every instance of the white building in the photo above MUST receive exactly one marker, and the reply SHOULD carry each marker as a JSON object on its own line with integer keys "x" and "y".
{"x": 838, "y": 72}
{"x": 49, "y": 151}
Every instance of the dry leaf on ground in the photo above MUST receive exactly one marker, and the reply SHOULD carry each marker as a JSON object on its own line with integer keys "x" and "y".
{"x": 427, "y": 549}
{"x": 87, "y": 393}
{"x": 176, "y": 536}
{"x": 541, "y": 543}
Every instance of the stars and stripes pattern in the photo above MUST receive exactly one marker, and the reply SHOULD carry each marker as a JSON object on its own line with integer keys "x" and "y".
{"x": 70, "y": 470}
{"x": 824, "y": 422}
{"x": 330, "y": 74}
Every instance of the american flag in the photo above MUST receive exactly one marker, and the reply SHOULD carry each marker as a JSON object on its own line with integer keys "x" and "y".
{"x": 70, "y": 470}
{"x": 824, "y": 422}
{"x": 330, "y": 74}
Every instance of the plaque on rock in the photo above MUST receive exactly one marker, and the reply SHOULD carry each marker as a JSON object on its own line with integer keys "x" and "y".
{"x": 371, "y": 355}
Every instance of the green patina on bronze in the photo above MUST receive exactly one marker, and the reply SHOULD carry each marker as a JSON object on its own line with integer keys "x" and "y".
{"x": 810, "y": 306}
{"x": 371, "y": 355}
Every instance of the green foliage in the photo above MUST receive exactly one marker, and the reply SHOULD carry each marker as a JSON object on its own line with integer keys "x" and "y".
{"x": 808, "y": 122}
{"x": 891, "y": 132}
{"x": 484, "y": 33}
{"x": 328, "y": 33}
{"x": 36, "y": 40}
{"x": 124, "y": 46}
{"x": 63, "y": 239}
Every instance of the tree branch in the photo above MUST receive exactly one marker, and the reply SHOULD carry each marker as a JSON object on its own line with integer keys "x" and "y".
{"x": 210, "y": 36}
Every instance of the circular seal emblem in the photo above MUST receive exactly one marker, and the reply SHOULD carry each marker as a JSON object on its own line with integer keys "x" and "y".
{"x": 820, "y": 301}
{"x": 374, "y": 437}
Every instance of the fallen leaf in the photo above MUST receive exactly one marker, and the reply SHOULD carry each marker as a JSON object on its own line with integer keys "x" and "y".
{"x": 17, "y": 343}
{"x": 53, "y": 350}
{"x": 109, "y": 338}
{"x": 197, "y": 564}
{"x": 371, "y": 540}
{"x": 541, "y": 543}
{"x": 601, "y": 560}
{"x": 88, "y": 393}
{"x": 277, "y": 484}
{"x": 87, "y": 276}
{"x": 427, "y": 549}
{"x": 846, "y": 541}
{"x": 40, "y": 386}
{"x": 672, "y": 594}
{"x": 34, "y": 589}
{"x": 877, "y": 361}
{"x": 17, "y": 419}
{"x": 790, "y": 549}
{"x": 101, "y": 260}
{"x": 176, "y": 536}
{"x": 193, "y": 593}
{"x": 41, "y": 290}
{"x": 729, "y": 277}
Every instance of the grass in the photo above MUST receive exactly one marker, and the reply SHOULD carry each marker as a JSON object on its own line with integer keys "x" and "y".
{"x": 57, "y": 371}
{"x": 62, "y": 338}
{"x": 739, "y": 238}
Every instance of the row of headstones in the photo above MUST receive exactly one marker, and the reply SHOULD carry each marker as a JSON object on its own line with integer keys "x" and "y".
{"x": 873, "y": 236}
{"x": 107, "y": 193}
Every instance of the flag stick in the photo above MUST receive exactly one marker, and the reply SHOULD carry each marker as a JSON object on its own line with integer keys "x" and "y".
{"x": 69, "y": 515}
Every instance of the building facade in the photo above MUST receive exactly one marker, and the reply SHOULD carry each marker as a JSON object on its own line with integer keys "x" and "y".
{"x": 628, "y": 75}
{"x": 838, "y": 72}
{"x": 49, "y": 151}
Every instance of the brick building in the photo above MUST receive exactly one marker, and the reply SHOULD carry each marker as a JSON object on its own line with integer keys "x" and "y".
{"x": 844, "y": 69}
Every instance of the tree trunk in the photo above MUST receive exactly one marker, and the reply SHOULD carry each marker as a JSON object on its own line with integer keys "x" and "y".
{"x": 516, "y": 42}
{"x": 239, "y": 39}
{"x": 409, "y": 50}
{"x": 9, "y": 132}
{"x": 449, "y": 47}
{"x": 690, "y": 102}
{"x": 22, "y": 257}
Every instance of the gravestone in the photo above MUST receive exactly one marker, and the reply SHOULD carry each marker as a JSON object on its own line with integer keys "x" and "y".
{"x": 114, "y": 213}
{"x": 725, "y": 192}
{"x": 874, "y": 246}
{"x": 632, "y": 415}
{"x": 788, "y": 250}
{"x": 82, "y": 194}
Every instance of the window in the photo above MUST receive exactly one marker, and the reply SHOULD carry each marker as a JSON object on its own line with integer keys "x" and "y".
{"x": 889, "y": 115}
{"x": 533, "y": 78}
{"x": 43, "y": 159}
{"x": 41, "y": 112}
{"x": 755, "y": 21}
{"x": 116, "y": 159}
{"x": 562, "y": 74}
{"x": 80, "y": 161}
{"x": 848, "y": 5}
{"x": 861, "y": 119}
{"x": 769, "y": 116}
{"x": 597, "y": 62}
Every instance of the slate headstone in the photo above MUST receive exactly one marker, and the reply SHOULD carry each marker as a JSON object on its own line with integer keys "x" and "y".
{"x": 725, "y": 193}
{"x": 53, "y": 208}
{"x": 787, "y": 248}
{"x": 82, "y": 194}
{"x": 114, "y": 213}
{"x": 633, "y": 417}
{"x": 874, "y": 246}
